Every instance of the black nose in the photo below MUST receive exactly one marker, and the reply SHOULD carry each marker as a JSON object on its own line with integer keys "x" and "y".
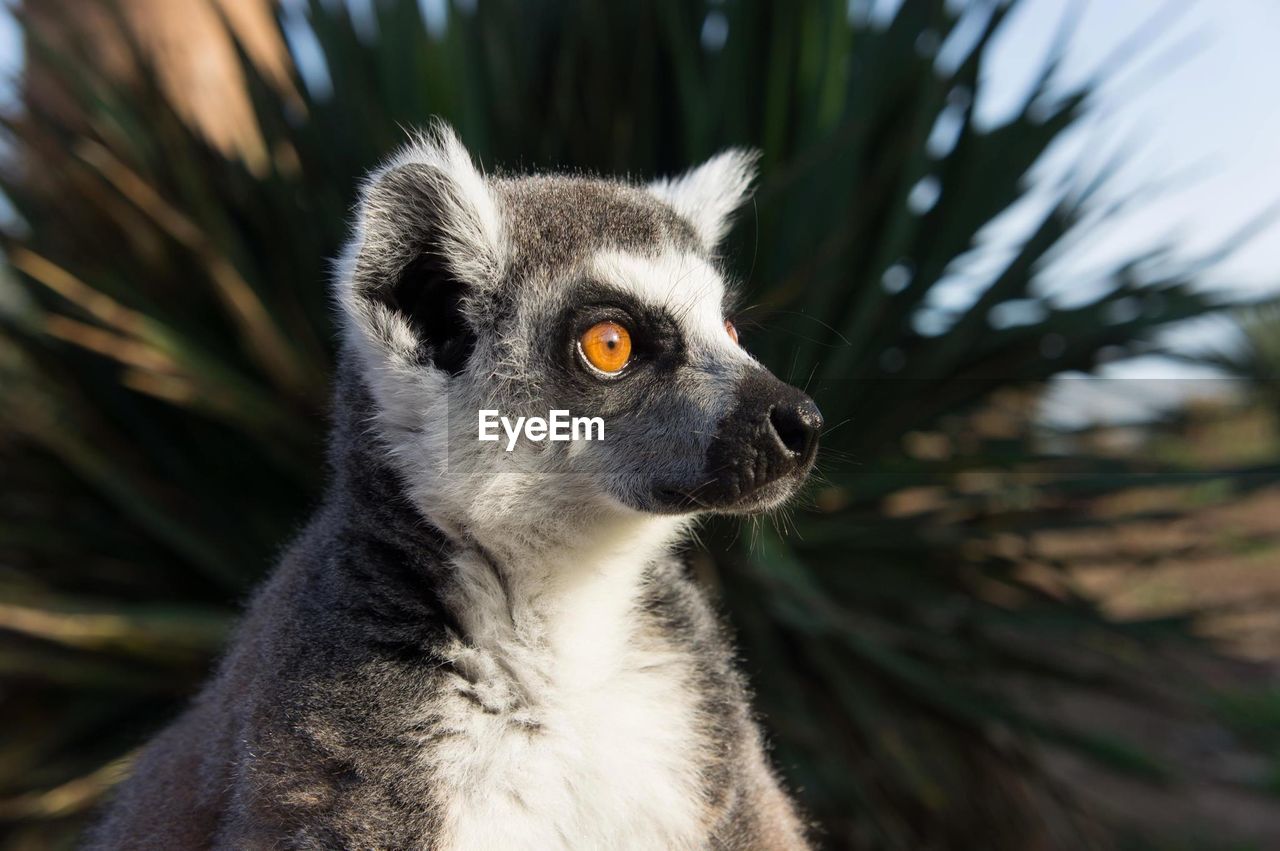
{"x": 796, "y": 424}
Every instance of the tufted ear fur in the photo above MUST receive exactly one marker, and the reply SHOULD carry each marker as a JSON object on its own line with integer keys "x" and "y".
{"x": 428, "y": 235}
{"x": 708, "y": 195}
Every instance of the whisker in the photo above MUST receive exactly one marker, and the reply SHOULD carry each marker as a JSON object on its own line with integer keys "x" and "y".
{"x": 828, "y": 431}
{"x": 804, "y": 315}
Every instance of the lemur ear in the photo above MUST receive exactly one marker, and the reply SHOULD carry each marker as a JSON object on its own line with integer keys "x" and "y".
{"x": 708, "y": 195}
{"x": 428, "y": 234}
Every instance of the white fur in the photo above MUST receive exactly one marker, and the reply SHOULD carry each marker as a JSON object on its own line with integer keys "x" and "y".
{"x": 612, "y": 764}
{"x": 686, "y": 285}
{"x": 473, "y": 244}
{"x": 709, "y": 194}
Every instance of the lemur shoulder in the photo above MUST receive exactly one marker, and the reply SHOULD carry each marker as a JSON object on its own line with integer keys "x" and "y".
{"x": 470, "y": 648}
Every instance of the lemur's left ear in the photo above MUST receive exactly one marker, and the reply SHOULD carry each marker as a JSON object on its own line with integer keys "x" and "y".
{"x": 428, "y": 235}
{"x": 708, "y": 195}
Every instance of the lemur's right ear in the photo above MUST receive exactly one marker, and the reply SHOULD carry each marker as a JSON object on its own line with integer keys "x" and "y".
{"x": 428, "y": 235}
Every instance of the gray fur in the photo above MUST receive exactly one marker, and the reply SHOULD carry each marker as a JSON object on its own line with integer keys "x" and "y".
{"x": 421, "y": 670}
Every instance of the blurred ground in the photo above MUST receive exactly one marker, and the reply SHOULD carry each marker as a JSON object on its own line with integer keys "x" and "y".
{"x": 1203, "y": 746}
{"x": 1220, "y": 568}
{"x": 1221, "y": 563}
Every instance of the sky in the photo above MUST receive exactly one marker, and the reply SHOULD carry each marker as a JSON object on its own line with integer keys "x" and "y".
{"x": 1193, "y": 115}
{"x": 1198, "y": 114}
{"x": 1194, "y": 119}
{"x": 1199, "y": 100}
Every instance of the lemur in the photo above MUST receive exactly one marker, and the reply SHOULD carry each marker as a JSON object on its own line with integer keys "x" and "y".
{"x": 470, "y": 648}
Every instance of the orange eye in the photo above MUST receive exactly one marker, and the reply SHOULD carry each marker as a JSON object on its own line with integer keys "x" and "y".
{"x": 732, "y": 329}
{"x": 606, "y": 346}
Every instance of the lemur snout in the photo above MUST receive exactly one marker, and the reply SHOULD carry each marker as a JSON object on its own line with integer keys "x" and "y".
{"x": 771, "y": 433}
{"x": 763, "y": 448}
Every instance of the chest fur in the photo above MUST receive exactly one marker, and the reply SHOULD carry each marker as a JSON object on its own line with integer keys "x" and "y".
{"x": 612, "y": 765}
{"x": 574, "y": 723}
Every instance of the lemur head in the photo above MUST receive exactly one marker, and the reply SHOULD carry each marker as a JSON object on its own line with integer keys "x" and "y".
{"x": 463, "y": 292}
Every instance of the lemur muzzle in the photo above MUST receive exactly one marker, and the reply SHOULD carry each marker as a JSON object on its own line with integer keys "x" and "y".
{"x": 763, "y": 448}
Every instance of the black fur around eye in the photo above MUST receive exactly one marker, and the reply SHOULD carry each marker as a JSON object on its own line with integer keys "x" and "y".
{"x": 655, "y": 336}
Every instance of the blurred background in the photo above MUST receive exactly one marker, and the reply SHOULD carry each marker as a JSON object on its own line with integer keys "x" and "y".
{"x": 1022, "y": 253}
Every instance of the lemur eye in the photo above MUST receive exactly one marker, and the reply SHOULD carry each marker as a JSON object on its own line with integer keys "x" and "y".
{"x": 732, "y": 330}
{"x": 606, "y": 346}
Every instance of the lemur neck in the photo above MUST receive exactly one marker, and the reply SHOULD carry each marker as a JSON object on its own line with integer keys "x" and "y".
{"x": 572, "y": 599}
{"x": 572, "y": 613}
{"x": 364, "y": 476}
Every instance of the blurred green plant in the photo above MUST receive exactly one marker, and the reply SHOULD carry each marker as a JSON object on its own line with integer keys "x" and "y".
{"x": 167, "y": 338}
